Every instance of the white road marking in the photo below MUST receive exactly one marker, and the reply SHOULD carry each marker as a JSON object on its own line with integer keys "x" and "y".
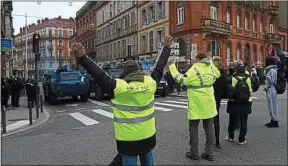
{"x": 78, "y": 109}
{"x": 254, "y": 97}
{"x": 177, "y": 102}
{"x": 99, "y": 103}
{"x": 71, "y": 105}
{"x": 162, "y": 109}
{"x": 17, "y": 125}
{"x": 182, "y": 99}
{"x": 83, "y": 119}
{"x": 61, "y": 111}
{"x": 172, "y": 105}
{"x": 104, "y": 113}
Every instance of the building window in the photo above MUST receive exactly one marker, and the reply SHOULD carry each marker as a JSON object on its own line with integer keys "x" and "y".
{"x": 133, "y": 18}
{"x": 60, "y": 33}
{"x": 228, "y": 52}
{"x": 152, "y": 13}
{"x": 70, "y": 33}
{"x": 118, "y": 6}
{"x": 238, "y": 19}
{"x": 60, "y": 42}
{"x": 151, "y": 41}
{"x": 50, "y": 32}
{"x": 103, "y": 16}
{"x": 144, "y": 44}
{"x": 161, "y": 13}
{"x": 50, "y": 42}
{"x": 261, "y": 55}
{"x": 228, "y": 15}
{"x": 180, "y": 12}
{"x": 111, "y": 11}
{"x": 144, "y": 17}
{"x": 238, "y": 51}
{"x": 261, "y": 25}
{"x": 160, "y": 36}
{"x": 254, "y": 53}
{"x": 213, "y": 12}
{"x": 214, "y": 47}
{"x": 254, "y": 23}
{"x": 60, "y": 53}
{"x": 271, "y": 26}
{"x": 50, "y": 53}
{"x": 246, "y": 22}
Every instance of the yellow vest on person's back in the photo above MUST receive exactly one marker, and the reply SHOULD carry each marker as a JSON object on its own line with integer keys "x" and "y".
{"x": 134, "y": 109}
{"x": 199, "y": 80}
{"x": 234, "y": 82}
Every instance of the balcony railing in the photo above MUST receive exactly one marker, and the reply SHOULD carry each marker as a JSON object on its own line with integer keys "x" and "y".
{"x": 216, "y": 27}
{"x": 273, "y": 38}
{"x": 239, "y": 30}
{"x": 247, "y": 33}
{"x": 254, "y": 34}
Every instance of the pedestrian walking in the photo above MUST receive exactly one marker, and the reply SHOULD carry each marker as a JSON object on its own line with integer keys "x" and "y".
{"x": 199, "y": 80}
{"x": 133, "y": 100}
{"x": 271, "y": 93}
{"x": 30, "y": 88}
{"x": 240, "y": 105}
{"x": 220, "y": 91}
{"x": 5, "y": 91}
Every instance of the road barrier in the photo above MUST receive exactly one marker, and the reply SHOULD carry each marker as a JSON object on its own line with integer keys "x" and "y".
{"x": 41, "y": 103}
{"x": 30, "y": 112}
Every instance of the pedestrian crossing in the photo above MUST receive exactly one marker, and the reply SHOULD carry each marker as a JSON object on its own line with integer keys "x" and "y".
{"x": 93, "y": 117}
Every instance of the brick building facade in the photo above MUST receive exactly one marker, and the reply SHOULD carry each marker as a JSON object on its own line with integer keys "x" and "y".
{"x": 54, "y": 44}
{"x": 86, "y": 35}
{"x": 283, "y": 24}
{"x": 232, "y": 30}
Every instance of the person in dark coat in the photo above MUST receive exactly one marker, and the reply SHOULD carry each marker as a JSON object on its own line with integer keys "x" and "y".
{"x": 31, "y": 91}
{"x": 220, "y": 90}
{"x": 5, "y": 91}
{"x": 239, "y": 110}
{"x": 16, "y": 87}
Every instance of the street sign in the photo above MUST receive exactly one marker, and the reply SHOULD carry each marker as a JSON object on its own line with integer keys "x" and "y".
{"x": 6, "y": 44}
{"x": 174, "y": 52}
{"x": 193, "y": 50}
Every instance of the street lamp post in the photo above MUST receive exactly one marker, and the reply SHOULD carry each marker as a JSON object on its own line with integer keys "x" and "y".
{"x": 26, "y": 49}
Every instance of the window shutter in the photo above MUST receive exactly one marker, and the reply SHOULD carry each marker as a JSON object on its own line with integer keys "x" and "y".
{"x": 163, "y": 9}
{"x": 156, "y": 11}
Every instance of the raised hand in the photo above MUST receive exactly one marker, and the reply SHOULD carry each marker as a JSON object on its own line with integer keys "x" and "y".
{"x": 167, "y": 41}
{"x": 78, "y": 50}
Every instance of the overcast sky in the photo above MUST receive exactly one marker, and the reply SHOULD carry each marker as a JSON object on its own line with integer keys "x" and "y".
{"x": 45, "y": 9}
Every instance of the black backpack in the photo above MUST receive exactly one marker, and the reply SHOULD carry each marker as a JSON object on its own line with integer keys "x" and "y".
{"x": 241, "y": 91}
{"x": 281, "y": 82}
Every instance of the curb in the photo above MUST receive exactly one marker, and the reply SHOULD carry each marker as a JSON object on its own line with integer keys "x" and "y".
{"x": 177, "y": 95}
{"x": 47, "y": 117}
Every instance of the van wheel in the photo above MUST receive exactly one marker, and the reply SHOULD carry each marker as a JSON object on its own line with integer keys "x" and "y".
{"x": 98, "y": 93}
{"x": 84, "y": 97}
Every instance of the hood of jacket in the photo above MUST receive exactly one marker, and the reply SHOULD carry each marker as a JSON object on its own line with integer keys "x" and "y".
{"x": 205, "y": 61}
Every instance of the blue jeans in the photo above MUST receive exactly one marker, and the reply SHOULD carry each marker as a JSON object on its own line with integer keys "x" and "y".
{"x": 271, "y": 94}
{"x": 131, "y": 160}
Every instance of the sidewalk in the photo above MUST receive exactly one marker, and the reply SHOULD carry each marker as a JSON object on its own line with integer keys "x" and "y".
{"x": 17, "y": 118}
{"x": 260, "y": 94}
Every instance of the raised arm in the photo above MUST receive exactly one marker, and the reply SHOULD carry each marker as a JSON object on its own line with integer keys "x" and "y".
{"x": 100, "y": 77}
{"x": 157, "y": 72}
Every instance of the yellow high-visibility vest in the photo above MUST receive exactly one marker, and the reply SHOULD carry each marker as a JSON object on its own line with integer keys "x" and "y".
{"x": 133, "y": 109}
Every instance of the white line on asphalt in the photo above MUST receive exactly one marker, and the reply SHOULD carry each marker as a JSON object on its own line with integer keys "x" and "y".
{"x": 84, "y": 119}
{"x": 99, "y": 103}
{"x": 17, "y": 125}
{"x": 61, "y": 111}
{"x": 78, "y": 109}
{"x": 171, "y": 105}
{"x": 104, "y": 113}
{"x": 182, "y": 99}
{"x": 254, "y": 97}
{"x": 177, "y": 102}
{"x": 162, "y": 109}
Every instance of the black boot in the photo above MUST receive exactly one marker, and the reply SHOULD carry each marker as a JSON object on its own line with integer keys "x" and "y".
{"x": 192, "y": 156}
{"x": 273, "y": 124}
{"x": 267, "y": 124}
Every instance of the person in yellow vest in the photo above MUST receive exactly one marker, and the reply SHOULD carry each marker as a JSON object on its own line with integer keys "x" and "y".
{"x": 240, "y": 106}
{"x": 199, "y": 80}
{"x": 133, "y": 100}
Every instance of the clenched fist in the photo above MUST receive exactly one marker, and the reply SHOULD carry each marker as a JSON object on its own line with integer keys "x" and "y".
{"x": 168, "y": 41}
{"x": 78, "y": 50}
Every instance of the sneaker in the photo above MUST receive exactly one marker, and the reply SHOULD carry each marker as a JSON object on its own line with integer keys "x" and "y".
{"x": 192, "y": 156}
{"x": 242, "y": 143}
{"x": 207, "y": 157}
{"x": 218, "y": 148}
{"x": 229, "y": 139}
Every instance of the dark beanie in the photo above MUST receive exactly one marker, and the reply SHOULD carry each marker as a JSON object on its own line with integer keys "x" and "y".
{"x": 129, "y": 67}
{"x": 270, "y": 61}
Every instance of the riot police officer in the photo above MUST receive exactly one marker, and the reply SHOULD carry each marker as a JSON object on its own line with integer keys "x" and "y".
{"x": 16, "y": 87}
{"x": 31, "y": 91}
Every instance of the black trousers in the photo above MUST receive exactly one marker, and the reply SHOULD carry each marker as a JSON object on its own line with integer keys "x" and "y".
{"x": 15, "y": 99}
{"x": 243, "y": 126}
{"x": 217, "y": 125}
{"x": 4, "y": 101}
{"x": 31, "y": 100}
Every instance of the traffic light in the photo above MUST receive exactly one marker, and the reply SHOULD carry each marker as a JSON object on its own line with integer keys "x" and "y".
{"x": 35, "y": 47}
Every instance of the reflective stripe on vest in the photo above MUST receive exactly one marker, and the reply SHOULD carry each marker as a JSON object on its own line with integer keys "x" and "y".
{"x": 181, "y": 79}
{"x": 134, "y": 120}
{"x": 134, "y": 108}
{"x": 201, "y": 81}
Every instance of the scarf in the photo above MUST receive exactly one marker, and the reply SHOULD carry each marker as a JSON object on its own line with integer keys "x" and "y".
{"x": 134, "y": 76}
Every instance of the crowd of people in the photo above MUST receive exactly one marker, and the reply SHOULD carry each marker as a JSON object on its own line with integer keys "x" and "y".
{"x": 206, "y": 83}
{"x": 14, "y": 87}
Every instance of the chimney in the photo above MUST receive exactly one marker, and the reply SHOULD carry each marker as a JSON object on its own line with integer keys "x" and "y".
{"x": 38, "y": 21}
{"x": 20, "y": 30}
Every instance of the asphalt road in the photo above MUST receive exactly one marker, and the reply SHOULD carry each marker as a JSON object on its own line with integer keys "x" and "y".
{"x": 82, "y": 133}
